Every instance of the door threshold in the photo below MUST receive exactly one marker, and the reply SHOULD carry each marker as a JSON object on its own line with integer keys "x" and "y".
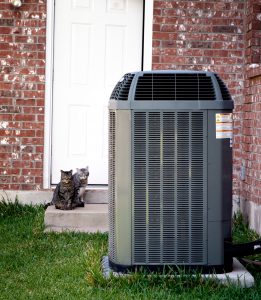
{"x": 97, "y": 187}
{"x": 89, "y": 187}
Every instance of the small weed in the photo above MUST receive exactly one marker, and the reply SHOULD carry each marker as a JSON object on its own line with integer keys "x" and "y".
{"x": 95, "y": 250}
{"x": 241, "y": 231}
{"x": 9, "y": 208}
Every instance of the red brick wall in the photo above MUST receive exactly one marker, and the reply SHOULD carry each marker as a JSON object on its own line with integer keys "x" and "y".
{"x": 251, "y": 138}
{"x": 204, "y": 35}
{"x": 200, "y": 35}
{"x": 253, "y": 31}
{"x": 251, "y": 127}
{"x": 22, "y": 62}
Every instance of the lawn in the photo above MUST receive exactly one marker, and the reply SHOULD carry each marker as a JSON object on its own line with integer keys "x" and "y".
{"x": 38, "y": 265}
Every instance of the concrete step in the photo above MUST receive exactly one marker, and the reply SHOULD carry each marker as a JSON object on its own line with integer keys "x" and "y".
{"x": 91, "y": 218}
{"x": 96, "y": 195}
{"x": 92, "y": 195}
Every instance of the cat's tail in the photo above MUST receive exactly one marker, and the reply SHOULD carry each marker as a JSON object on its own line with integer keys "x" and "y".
{"x": 48, "y": 204}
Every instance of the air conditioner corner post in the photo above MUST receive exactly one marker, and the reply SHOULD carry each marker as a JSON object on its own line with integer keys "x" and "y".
{"x": 123, "y": 187}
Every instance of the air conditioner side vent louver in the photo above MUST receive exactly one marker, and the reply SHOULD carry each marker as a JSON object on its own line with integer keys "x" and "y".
{"x": 121, "y": 90}
{"x": 224, "y": 90}
{"x": 112, "y": 237}
{"x": 175, "y": 87}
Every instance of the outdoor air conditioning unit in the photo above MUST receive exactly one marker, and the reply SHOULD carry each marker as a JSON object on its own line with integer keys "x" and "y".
{"x": 170, "y": 171}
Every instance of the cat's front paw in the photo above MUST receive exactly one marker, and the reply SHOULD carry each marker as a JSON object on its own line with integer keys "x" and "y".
{"x": 68, "y": 206}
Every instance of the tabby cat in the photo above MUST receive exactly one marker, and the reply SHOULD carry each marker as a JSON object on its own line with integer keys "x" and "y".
{"x": 80, "y": 179}
{"x": 65, "y": 195}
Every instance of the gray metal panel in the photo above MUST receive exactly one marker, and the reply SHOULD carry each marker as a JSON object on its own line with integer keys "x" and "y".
{"x": 177, "y": 105}
{"x": 219, "y": 172}
{"x": 120, "y": 187}
{"x": 123, "y": 185}
{"x": 219, "y": 191}
{"x": 215, "y": 243}
{"x": 170, "y": 183}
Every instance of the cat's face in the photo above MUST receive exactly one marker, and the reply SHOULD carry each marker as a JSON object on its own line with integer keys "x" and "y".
{"x": 83, "y": 174}
{"x": 66, "y": 176}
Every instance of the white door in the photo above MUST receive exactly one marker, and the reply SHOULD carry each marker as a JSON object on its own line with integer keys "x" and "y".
{"x": 95, "y": 43}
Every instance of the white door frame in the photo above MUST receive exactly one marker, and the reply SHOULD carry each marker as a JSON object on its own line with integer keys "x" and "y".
{"x": 147, "y": 64}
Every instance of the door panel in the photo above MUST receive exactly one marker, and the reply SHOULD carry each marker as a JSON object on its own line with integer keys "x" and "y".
{"x": 95, "y": 43}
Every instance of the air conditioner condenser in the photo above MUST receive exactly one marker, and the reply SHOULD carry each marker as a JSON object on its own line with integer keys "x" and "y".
{"x": 170, "y": 171}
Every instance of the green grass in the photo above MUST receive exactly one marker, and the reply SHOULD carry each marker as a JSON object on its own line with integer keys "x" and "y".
{"x": 38, "y": 265}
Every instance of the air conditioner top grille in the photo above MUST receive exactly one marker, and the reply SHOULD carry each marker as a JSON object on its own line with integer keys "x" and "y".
{"x": 174, "y": 87}
{"x": 171, "y": 88}
{"x": 121, "y": 90}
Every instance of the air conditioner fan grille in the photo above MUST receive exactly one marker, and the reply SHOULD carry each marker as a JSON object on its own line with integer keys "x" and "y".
{"x": 174, "y": 87}
{"x": 169, "y": 213}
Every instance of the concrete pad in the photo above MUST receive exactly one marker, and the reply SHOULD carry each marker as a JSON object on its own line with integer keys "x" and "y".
{"x": 239, "y": 276}
{"x": 91, "y": 218}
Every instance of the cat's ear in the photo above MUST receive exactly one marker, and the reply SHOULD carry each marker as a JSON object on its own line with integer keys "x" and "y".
{"x": 77, "y": 170}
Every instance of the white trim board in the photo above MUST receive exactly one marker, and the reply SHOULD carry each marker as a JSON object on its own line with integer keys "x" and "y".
{"x": 252, "y": 214}
{"x": 147, "y": 64}
{"x": 48, "y": 94}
